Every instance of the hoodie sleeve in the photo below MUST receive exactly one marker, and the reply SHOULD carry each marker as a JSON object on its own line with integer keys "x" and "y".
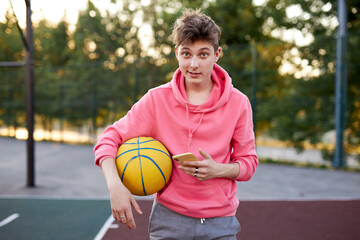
{"x": 135, "y": 123}
{"x": 243, "y": 143}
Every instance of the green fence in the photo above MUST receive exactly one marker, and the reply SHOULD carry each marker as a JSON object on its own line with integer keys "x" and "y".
{"x": 291, "y": 89}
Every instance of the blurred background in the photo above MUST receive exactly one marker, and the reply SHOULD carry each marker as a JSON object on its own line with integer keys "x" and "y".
{"x": 94, "y": 59}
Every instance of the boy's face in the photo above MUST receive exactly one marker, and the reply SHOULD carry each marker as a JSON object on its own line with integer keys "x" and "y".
{"x": 196, "y": 61}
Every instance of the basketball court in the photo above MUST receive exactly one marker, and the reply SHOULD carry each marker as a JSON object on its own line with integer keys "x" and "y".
{"x": 90, "y": 219}
{"x": 70, "y": 200}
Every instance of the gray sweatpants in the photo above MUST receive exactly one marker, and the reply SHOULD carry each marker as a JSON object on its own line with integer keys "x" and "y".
{"x": 167, "y": 224}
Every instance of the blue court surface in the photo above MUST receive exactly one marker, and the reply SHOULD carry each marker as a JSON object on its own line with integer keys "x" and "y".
{"x": 36, "y": 219}
{"x": 71, "y": 201}
{"x": 51, "y": 219}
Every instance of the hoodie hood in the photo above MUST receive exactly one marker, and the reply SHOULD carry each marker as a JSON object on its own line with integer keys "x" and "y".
{"x": 219, "y": 95}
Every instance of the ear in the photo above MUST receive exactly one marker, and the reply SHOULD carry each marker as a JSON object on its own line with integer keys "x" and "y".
{"x": 177, "y": 53}
{"x": 217, "y": 54}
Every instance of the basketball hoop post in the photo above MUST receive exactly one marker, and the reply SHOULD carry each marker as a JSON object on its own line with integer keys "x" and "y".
{"x": 30, "y": 97}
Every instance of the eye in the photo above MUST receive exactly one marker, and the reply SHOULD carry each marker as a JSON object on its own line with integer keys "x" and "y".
{"x": 185, "y": 54}
{"x": 204, "y": 55}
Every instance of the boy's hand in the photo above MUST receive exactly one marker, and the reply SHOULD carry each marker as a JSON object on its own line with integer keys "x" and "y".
{"x": 121, "y": 199}
{"x": 121, "y": 203}
{"x": 202, "y": 170}
{"x": 208, "y": 168}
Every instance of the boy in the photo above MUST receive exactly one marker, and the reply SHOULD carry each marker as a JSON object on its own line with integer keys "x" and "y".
{"x": 199, "y": 111}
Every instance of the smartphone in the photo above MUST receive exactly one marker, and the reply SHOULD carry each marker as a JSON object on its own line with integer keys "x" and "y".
{"x": 180, "y": 158}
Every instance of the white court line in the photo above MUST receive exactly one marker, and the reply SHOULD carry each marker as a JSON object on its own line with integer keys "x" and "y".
{"x": 9, "y": 219}
{"x": 104, "y": 228}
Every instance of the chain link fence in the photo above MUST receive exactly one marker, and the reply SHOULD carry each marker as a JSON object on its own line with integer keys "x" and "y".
{"x": 291, "y": 89}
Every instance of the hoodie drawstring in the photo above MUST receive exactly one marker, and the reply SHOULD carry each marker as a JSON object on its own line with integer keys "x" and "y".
{"x": 191, "y": 132}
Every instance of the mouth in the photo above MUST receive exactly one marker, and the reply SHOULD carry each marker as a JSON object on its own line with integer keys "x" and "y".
{"x": 194, "y": 74}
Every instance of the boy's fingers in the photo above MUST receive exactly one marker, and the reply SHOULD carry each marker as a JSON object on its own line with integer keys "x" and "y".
{"x": 204, "y": 154}
{"x": 136, "y": 206}
{"x": 130, "y": 221}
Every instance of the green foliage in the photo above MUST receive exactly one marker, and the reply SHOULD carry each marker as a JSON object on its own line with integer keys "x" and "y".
{"x": 308, "y": 112}
{"x": 10, "y": 34}
{"x": 12, "y": 84}
{"x": 95, "y": 72}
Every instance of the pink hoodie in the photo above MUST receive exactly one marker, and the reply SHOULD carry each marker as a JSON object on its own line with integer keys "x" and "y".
{"x": 222, "y": 127}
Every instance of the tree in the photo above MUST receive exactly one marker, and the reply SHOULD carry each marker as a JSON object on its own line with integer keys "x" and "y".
{"x": 52, "y": 51}
{"x": 12, "y": 85}
{"x": 308, "y": 112}
{"x": 96, "y": 72}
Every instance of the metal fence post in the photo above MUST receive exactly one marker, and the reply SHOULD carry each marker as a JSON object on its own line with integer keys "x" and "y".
{"x": 254, "y": 81}
{"x": 30, "y": 98}
{"x": 340, "y": 84}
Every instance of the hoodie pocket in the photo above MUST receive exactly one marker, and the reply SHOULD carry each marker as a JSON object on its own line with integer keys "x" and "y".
{"x": 198, "y": 198}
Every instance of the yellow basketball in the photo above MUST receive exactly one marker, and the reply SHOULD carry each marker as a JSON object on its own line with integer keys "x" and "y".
{"x": 144, "y": 165}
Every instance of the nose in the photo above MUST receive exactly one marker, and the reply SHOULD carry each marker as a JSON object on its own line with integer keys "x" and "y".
{"x": 194, "y": 62}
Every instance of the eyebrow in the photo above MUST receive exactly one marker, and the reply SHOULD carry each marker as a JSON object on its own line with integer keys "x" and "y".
{"x": 201, "y": 49}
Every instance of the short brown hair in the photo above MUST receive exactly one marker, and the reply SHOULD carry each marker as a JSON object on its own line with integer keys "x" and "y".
{"x": 193, "y": 26}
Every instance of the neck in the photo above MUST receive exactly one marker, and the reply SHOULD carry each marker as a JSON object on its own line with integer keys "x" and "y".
{"x": 198, "y": 94}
